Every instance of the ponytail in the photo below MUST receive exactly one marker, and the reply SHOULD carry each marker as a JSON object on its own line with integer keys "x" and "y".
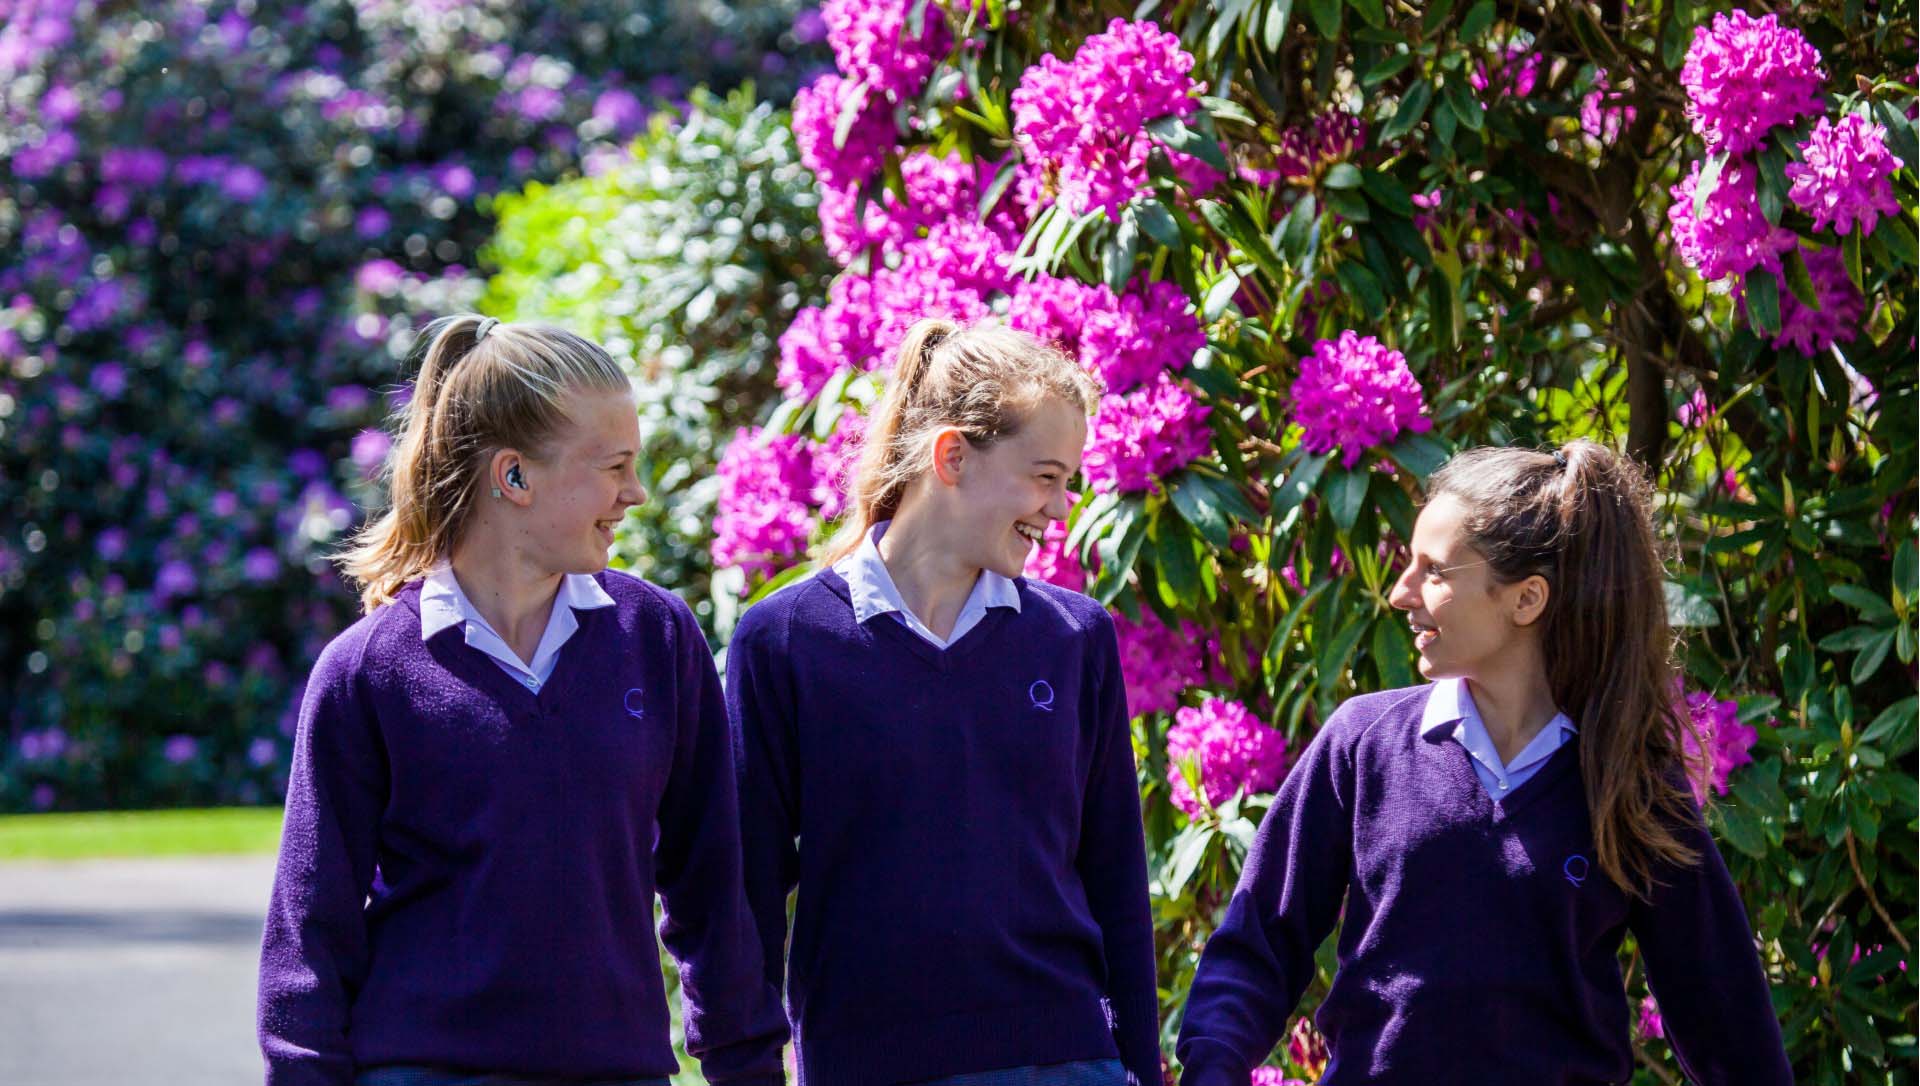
{"x": 482, "y": 386}
{"x": 1581, "y": 518}
{"x": 982, "y": 379}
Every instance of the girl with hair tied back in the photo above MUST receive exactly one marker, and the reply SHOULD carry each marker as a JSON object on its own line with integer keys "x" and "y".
{"x": 1495, "y": 834}
{"x": 499, "y": 766}
{"x": 935, "y": 753}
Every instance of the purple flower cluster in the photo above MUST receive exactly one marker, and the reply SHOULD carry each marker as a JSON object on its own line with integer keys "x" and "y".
{"x": 1140, "y": 436}
{"x": 1651, "y": 1024}
{"x": 1307, "y": 151}
{"x": 1728, "y": 236}
{"x": 1081, "y": 124}
{"x": 1157, "y": 663}
{"x": 1232, "y": 752}
{"x": 822, "y": 340}
{"x": 937, "y": 188}
{"x": 955, "y": 271}
{"x": 871, "y": 43}
{"x": 1355, "y": 392}
{"x": 1054, "y": 563}
{"x": 1729, "y": 743}
{"x": 1127, "y": 338}
{"x": 1844, "y": 177}
{"x": 1602, "y": 115}
{"x": 1811, "y": 330}
{"x": 766, "y": 502}
{"x": 1744, "y": 76}
{"x": 1515, "y": 71}
{"x": 816, "y": 114}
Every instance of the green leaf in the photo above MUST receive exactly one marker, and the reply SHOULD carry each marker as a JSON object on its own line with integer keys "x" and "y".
{"x": 1373, "y": 11}
{"x": 1688, "y": 606}
{"x": 1436, "y": 16}
{"x": 1179, "y": 570}
{"x": 1798, "y": 279}
{"x": 849, "y": 113}
{"x": 1277, "y": 645}
{"x": 1159, "y": 223}
{"x": 1116, "y": 260}
{"x": 1273, "y": 29}
{"x": 1772, "y": 184}
{"x": 1851, "y": 639}
{"x": 1465, "y": 106}
{"x": 1387, "y": 191}
{"x": 1344, "y": 175}
{"x": 1331, "y": 664}
{"x": 1850, "y": 246}
{"x": 1118, "y": 555}
{"x": 1189, "y": 848}
{"x": 1326, "y": 16}
{"x": 1897, "y": 236}
{"x": 1346, "y": 492}
{"x": 1421, "y": 454}
{"x": 1391, "y": 65}
{"x": 1173, "y": 131}
{"x": 1900, "y": 132}
{"x": 1360, "y": 283}
{"x": 1858, "y": 1032}
{"x": 1392, "y": 654}
{"x": 1870, "y": 659}
{"x": 1895, "y": 730}
{"x": 1219, "y": 297}
{"x": 1413, "y": 106}
{"x": 990, "y": 197}
{"x": 1871, "y": 606}
{"x": 1741, "y": 828}
{"x": 1226, "y": 109}
{"x": 1293, "y": 488}
{"x": 1763, "y": 302}
{"x": 1196, "y": 502}
{"x": 1709, "y": 180}
{"x": 1297, "y": 242}
{"x": 1440, "y": 307}
{"x": 1479, "y": 18}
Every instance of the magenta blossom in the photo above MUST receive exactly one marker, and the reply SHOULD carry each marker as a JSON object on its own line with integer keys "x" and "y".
{"x": 1232, "y": 751}
{"x": 1729, "y": 236}
{"x": 1810, "y": 330}
{"x": 1743, "y": 76}
{"x": 1054, "y": 563}
{"x": 823, "y": 340}
{"x": 816, "y": 113}
{"x": 1844, "y": 177}
{"x": 872, "y": 44}
{"x": 1651, "y": 1024}
{"x": 765, "y": 517}
{"x": 1729, "y": 743}
{"x": 1158, "y": 664}
{"x": 1125, "y": 338}
{"x": 1355, "y": 392}
{"x": 1144, "y": 435}
{"x": 953, "y": 272}
{"x": 1515, "y": 71}
{"x": 1602, "y": 115}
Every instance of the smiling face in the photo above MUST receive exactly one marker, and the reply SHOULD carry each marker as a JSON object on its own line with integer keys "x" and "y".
{"x": 1007, "y": 493}
{"x": 1465, "y": 625}
{"x": 585, "y": 483}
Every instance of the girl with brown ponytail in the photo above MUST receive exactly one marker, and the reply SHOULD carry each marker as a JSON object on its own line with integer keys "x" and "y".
{"x": 502, "y": 763}
{"x": 1494, "y": 835}
{"x": 934, "y": 752}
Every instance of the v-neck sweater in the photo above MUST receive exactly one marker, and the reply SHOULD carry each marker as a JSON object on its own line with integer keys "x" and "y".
{"x": 468, "y": 869}
{"x": 1480, "y": 941}
{"x": 963, "y": 827}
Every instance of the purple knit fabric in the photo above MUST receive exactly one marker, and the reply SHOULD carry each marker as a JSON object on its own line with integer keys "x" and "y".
{"x": 1480, "y": 941}
{"x": 964, "y": 829}
{"x": 468, "y": 869}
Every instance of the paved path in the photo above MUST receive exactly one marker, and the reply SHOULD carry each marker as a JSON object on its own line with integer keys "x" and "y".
{"x": 122, "y": 972}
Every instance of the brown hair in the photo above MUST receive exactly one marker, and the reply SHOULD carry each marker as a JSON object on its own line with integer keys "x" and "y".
{"x": 983, "y": 379}
{"x": 483, "y": 386}
{"x": 1582, "y": 518}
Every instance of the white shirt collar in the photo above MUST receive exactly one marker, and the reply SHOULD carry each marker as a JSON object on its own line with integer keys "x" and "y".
{"x": 1451, "y": 702}
{"x": 443, "y": 603}
{"x": 874, "y": 593}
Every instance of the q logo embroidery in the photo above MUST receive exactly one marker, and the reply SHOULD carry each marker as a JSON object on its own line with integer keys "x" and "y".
{"x": 1575, "y": 869}
{"x": 1041, "y": 694}
{"x": 636, "y": 704}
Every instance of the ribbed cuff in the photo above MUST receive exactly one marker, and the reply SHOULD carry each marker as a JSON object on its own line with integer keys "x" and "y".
{"x": 1209, "y": 1064}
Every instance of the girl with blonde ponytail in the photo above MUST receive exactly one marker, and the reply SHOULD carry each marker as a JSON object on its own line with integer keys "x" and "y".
{"x": 502, "y": 763}
{"x": 935, "y": 753}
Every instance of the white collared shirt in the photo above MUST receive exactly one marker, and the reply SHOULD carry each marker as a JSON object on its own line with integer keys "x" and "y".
{"x": 443, "y": 603}
{"x": 874, "y": 592}
{"x": 1452, "y": 702}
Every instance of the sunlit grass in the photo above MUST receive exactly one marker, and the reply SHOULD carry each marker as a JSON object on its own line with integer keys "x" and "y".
{"x": 100, "y": 834}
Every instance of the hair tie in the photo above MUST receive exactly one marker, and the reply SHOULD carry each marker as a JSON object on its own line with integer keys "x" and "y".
{"x": 486, "y": 325}
{"x": 1559, "y": 459}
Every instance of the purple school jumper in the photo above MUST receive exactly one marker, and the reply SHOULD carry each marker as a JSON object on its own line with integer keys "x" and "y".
{"x": 964, "y": 829}
{"x": 468, "y": 869}
{"x": 1480, "y": 940}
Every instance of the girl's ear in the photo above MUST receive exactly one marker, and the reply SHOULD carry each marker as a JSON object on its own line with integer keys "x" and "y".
{"x": 950, "y": 450}
{"x": 1530, "y": 600}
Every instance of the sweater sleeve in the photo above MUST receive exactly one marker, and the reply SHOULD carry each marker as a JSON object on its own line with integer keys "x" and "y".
{"x": 733, "y": 1020}
{"x": 314, "y": 952}
{"x": 760, "y": 708}
{"x": 1705, "y": 974}
{"x": 1260, "y": 959}
{"x": 1112, "y": 864}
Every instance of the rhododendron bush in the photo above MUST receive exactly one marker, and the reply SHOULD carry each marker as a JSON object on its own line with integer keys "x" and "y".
{"x": 1314, "y": 247}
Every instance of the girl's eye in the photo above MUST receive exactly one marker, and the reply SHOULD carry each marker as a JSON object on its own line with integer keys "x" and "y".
{"x": 1435, "y": 573}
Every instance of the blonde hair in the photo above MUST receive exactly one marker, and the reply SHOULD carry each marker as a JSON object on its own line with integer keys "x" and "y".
{"x": 483, "y": 386}
{"x": 984, "y": 380}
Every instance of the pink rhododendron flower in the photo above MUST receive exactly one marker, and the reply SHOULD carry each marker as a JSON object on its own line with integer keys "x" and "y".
{"x": 1844, "y": 177}
{"x": 766, "y": 488}
{"x": 938, "y": 188}
{"x": 816, "y": 112}
{"x": 1355, "y": 392}
{"x": 1514, "y": 72}
{"x": 1143, "y": 435}
{"x": 1601, "y": 114}
{"x": 1729, "y": 742}
{"x": 1729, "y": 237}
{"x": 1307, "y": 1048}
{"x": 1232, "y": 751}
{"x": 1745, "y": 75}
{"x": 825, "y": 339}
{"x": 1695, "y": 411}
{"x": 834, "y": 463}
{"x": 1081, "y": 124}
{"x": 1125, "y": 338}
{"x": 871, "y": 43}
{"x": 1157, "y": 663}
{"x": 1651, "y": 1024}
{"x": 953, "y": 272}
{"x": 1809, "y": 330}
{"x": 1053, "y": 563}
